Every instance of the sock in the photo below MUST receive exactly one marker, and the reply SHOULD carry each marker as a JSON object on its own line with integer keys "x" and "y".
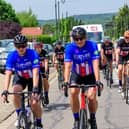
{"x": 46, "y": 93}
{"x": 39, "y": 122}
{"x": 92, "y": 116}
{"x": 18, "y": 111}
{"x": 120, "y": 82}
{"x": 76, "y": 116}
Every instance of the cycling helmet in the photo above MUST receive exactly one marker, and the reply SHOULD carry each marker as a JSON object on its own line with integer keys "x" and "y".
{"x": 58, "y": 43}
{"x": 107, "y": 39}
{"x": 20, "y": 39}
{"x": 78, "y": 32}
{"x": 38, "y": 44}
{"x": 126, "y": 33}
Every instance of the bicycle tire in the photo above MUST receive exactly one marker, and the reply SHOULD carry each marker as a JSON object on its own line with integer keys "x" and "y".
{"x": 84, "y": 124}
{"x": 22, "y": 121}
{"x": 59, "y": 80}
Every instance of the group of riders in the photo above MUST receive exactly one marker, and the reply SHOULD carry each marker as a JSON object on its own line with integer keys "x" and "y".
{"x": 80, "y": 60}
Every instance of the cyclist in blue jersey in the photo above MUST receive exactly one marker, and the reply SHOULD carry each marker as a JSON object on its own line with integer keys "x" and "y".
{"x": 44, "y": 68}
{"x": 82, "y": 67}
{"x": 24, "y": 62}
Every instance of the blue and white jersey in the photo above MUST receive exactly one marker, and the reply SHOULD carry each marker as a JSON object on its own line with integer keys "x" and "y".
{"x": 23, "y": 65}
{"x": 82, "y": 57}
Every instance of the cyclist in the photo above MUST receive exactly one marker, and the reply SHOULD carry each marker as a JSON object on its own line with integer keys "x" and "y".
{"x": 82, "y": 66}
{"x": 122, "y": 55}
{"x": 43, "y": 56}
{"x": 107, "y": 54}
{"x": 24, "y": 62}
{"x": 58, "y": 56}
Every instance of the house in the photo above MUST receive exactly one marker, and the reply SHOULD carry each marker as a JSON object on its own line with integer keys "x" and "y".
{"x": 32, "y": 31}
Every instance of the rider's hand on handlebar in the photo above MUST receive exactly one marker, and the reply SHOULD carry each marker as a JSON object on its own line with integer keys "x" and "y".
{"x": 65, "y": 88}
{"x": 4, "y": 96}
{"x": 99, "y": 84}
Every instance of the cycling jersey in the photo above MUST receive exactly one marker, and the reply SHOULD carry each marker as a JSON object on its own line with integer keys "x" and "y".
{"x": 124, "y": 48}
{"x": 59, "y": 53}
{"x": 108, "y": 49}
{"x": 42, "y": 56}
{"x": 23, "y": 65}
{"x": 82, "y": 57}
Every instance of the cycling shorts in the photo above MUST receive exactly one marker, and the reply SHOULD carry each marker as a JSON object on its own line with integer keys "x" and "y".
{"x": 108, "y": 57}
{"x": 17, "y": 80}
{"x": 77, "y": 79}
{"x": 123, "y": 59}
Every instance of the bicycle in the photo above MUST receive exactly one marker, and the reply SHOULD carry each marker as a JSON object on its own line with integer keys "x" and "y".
{"x": 83, "y": 113}
{"x": 107, "y": 74}
{"x": 60, "y": 75}
{"x": 125, "y": 82}
{"x": 42, "y": 96}
{"x": 23, "y": 121}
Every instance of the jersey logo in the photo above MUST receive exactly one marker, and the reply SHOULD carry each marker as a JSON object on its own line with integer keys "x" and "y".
{"x": 36, "y": 61}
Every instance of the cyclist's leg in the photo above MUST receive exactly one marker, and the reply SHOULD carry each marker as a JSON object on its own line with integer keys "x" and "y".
{"x": 36, "y": 106}
{"x": 74, "y": 99}
{"x": 46, "y": 89}
{"x": 45, "y": 86}
{"x": 18, "y": 85}
{"x": 120, "y": 71}
{"x": 111, "y": 67}
{"x": 93, "y": 103}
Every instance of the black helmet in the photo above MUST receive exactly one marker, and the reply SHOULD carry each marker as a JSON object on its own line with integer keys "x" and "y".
{"x": 79, "y": 32}
{"x": 20, "y": 39}
{"x": 58, "y": 43}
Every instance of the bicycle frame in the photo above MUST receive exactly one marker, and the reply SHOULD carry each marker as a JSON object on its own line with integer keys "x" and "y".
{"x": 23, "y": 115}
{"x": 84, "y": 124}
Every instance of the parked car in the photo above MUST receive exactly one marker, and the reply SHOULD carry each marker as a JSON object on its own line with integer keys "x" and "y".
{"x": 7, "y": 46}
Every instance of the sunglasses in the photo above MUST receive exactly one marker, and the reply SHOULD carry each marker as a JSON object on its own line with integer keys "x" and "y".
{"x": 77, "y": 39}
{"x": 20, "y": 45}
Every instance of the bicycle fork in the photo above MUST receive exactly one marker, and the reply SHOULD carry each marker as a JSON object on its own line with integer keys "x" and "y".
{"x": 84, "y": 124}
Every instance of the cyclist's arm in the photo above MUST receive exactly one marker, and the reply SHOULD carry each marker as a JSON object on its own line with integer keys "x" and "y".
{"x": 117, "y": 54}
{"x": 102, "y": 53}
{"x": 67, "y": 71}
{"x": 46, "y": 65}
{"x": 35, "y": 76}
{"x": 96, "y": 69}
{"x": 7, "y": 80}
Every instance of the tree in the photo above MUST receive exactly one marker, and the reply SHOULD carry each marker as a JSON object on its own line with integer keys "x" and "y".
{"x": 27, "y": 19}
{"x": 9, "y": 29}
{"x": 7, "y": 12}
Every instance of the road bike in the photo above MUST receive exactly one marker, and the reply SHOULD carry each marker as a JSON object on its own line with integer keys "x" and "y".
{"x": 83, "y": 113}
{"x": 60, "y": 75}
{"x": 107, "y": 74}
{"x": 125, "y": 81}
{"x": 24, "y": 121}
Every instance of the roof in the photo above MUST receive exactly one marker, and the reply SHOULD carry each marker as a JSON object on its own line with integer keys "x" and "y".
{"x": 31, "y": 31}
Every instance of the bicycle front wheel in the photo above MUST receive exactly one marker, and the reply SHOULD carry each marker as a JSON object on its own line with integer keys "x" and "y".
{"x": 84, "y": 124}
{"x": 22, "y": 121}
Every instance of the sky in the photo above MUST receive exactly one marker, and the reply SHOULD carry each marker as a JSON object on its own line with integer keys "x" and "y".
{"x": 45, "y": 9}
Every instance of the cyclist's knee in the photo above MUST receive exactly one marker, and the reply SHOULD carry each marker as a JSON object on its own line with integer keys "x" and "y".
{"x": 91, "y": 95}
{"x": 74, "y": 92}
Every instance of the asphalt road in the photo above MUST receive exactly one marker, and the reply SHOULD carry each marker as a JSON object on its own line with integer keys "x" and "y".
{"x": 112, "y": 112}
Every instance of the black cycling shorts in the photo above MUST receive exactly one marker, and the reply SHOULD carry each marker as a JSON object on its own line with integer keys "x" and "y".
{"x": 108, "y": 57}
{"x": 26, "y": 82}
{"x": 122, "y": 60}
{"x": 77, "y": 79}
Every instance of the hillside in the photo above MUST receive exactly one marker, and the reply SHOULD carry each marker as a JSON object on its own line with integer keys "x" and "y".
{"x": 87, "y": 19}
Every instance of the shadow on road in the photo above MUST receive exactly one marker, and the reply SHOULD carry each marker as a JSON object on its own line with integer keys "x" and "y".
{"x": 58, "y": 106}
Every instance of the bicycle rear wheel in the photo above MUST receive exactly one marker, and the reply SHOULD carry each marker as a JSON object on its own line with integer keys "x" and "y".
{"x": 23, "y": 122}
{"x": 59, "y": 80}
{"x": 84, "y": 124}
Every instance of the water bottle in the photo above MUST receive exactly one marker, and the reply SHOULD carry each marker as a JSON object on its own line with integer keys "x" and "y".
{"x": 28, "y": 110}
